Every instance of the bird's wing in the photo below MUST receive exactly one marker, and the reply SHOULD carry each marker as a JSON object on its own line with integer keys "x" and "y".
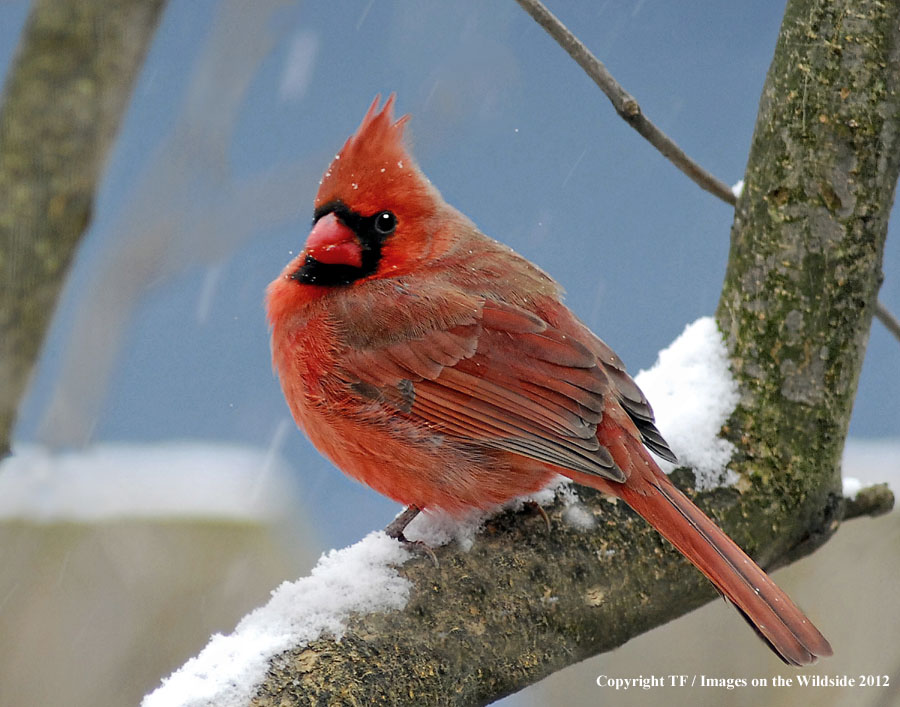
{"x": 504, "y": 379}
{"x": 631, "y": 398}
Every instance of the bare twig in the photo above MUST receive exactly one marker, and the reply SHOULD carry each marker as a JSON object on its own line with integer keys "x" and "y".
{"x": 627, "y": 107}
{"x": 624, "y": 103}
{"x": 891, "y": 323}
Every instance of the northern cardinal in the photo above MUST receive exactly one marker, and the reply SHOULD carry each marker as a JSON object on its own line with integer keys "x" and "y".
{"x": 442, "y": 369}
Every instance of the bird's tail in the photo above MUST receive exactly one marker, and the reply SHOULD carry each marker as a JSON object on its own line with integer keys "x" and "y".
{"x": 777, "y": 620}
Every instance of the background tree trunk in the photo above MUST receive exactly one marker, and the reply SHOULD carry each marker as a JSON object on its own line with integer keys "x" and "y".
{"x": 63, "y": 100}
{"x": 796, "y": 308}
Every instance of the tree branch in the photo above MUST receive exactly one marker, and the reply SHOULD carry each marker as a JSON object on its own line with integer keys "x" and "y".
{"x": 871, "y": 501}
{"x": 64, "y": 98}
{"x": 501, "y": 616}
{"x": 624, "y": 103}
{"x": 891, "y": 323}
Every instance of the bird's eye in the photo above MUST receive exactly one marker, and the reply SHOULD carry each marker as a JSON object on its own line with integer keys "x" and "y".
{"x": 385, "y": 223}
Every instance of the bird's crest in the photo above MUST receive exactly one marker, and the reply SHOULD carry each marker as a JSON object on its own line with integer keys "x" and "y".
{"x": 374, "y": 157}
{"x": 379, "y": 135}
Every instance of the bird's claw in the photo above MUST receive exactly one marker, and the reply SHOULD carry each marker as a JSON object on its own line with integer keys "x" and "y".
{"x": 419, "y": 546}
{"x": 395, "y": 530}
{"x": 535, "y": 507}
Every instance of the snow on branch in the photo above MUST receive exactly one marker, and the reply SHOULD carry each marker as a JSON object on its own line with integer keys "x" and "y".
{"x": 360, "y": 578}
{"x": 693, "y": 393}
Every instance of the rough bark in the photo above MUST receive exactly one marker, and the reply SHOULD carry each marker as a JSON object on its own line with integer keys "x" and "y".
{"x": 796, "y": 308}
{"x": 64, "y": 98}
{"x": 805, "y": 261}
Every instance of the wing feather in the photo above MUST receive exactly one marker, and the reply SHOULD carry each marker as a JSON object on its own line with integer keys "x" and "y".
{"x": 508, "y": 381}
{"x": 633, "y": 400}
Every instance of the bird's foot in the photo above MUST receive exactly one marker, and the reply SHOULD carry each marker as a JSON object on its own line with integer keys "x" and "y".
{"x": 538, "y": 509}
{"x": 395, "y": 530}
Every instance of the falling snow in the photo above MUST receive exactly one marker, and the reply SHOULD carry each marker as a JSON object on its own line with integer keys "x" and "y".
{"x": 299, "y": 66}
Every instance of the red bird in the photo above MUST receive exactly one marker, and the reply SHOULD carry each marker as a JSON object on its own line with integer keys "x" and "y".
{"x": 442, "y": 369}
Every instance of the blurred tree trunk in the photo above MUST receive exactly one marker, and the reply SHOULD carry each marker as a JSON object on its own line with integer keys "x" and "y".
{"x": 64, "y": 98}
{"x": 796, "y": 306}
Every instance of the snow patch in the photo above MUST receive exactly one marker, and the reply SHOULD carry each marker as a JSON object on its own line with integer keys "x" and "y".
{"x": 692, "y": 392}
{"x": 358, "y": 579}
{"x": 435, "y": 528}
{"x": 577, "y": 516}
{"x": 738, "y": 188}
{"x": 176, "y": 479}
{"x": 561, "y": 486}
{"x": 851, "y": 487}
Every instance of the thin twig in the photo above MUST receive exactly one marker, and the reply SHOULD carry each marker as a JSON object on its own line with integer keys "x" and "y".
{"x": 624, "y": 103}
{"x": 627, "y": 107}
{"x": 891, "y": 323}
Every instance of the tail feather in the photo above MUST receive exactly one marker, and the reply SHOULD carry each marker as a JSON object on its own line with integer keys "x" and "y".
{"x": 776, "y": 619}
